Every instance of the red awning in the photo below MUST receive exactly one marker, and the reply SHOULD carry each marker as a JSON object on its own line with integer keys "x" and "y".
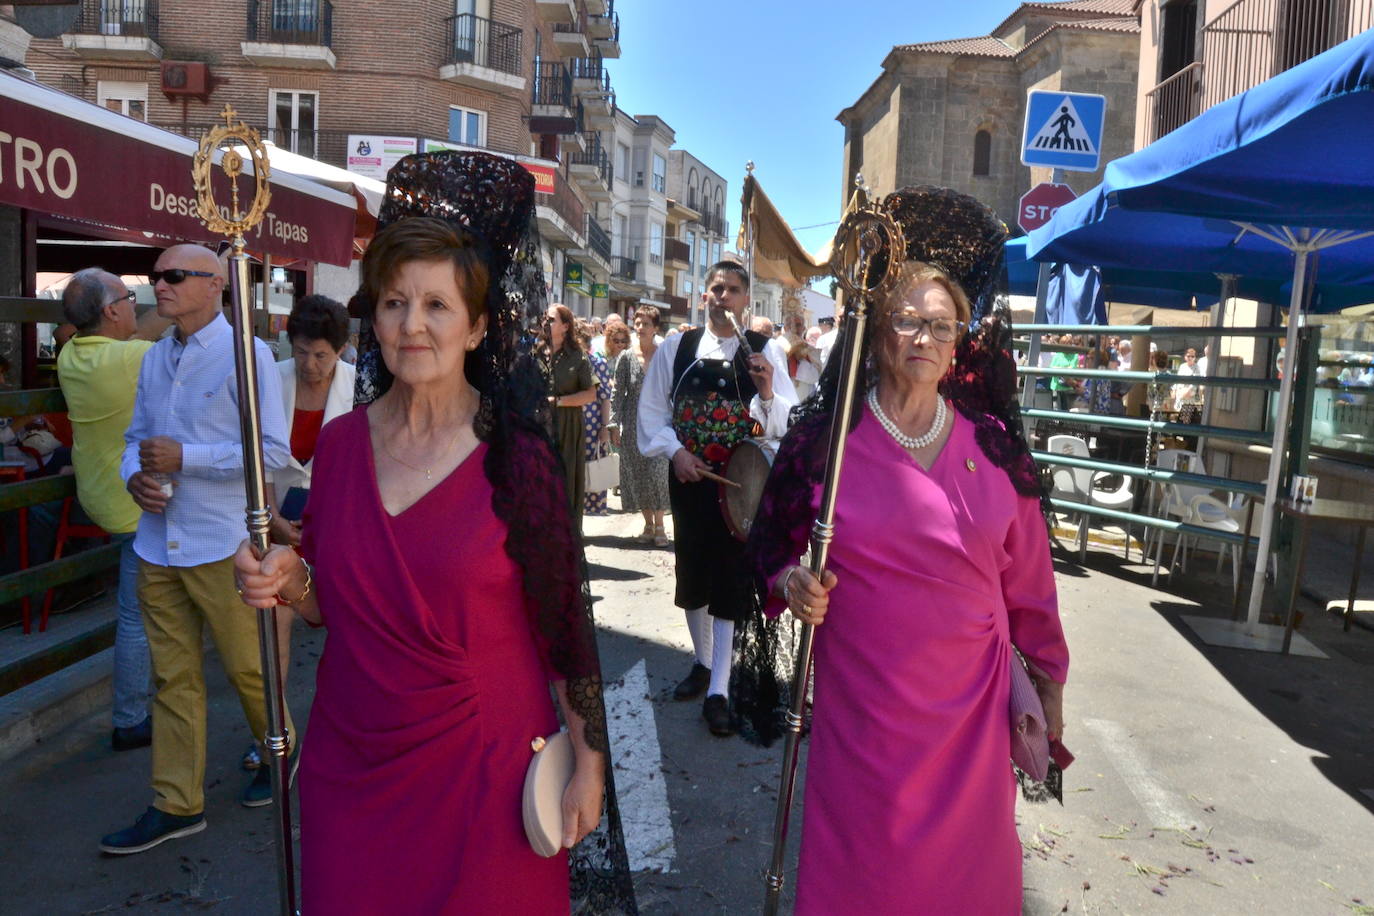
{"x": 67, "y": 157}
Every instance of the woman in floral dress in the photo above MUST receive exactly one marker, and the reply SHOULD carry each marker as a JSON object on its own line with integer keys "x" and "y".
{"x": 596, "y": 433}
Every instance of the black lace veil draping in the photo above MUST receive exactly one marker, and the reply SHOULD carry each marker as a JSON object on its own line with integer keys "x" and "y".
{"x": 958, "y": 234}
{"x": 492, "y": 199}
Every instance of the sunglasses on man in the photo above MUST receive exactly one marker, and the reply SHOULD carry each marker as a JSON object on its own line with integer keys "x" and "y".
{"x": 177, "y": 275}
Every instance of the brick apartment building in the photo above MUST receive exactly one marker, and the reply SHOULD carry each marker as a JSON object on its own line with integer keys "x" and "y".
{"x": 667, "y": 219}
{"x": 524, "y": 78}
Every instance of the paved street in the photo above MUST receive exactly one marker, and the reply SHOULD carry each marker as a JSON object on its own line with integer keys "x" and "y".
{"x": 1207, "y": 781}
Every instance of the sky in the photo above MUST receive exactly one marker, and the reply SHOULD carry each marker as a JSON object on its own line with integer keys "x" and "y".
{"x": 764, "y": 80}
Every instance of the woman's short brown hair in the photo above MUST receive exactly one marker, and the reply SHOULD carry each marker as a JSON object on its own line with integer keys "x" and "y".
{"x": 619, "y": 333}
{"x": 650, "y": 314}
{"x": 424, "y": 238}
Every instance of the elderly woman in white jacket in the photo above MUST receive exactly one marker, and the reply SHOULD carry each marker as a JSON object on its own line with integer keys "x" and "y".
{"x": 316, "y": 387}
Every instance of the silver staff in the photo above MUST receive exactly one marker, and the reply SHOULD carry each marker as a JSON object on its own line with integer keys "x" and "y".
{"x": 233, "y": 222}
{"x": 868, "y": 255}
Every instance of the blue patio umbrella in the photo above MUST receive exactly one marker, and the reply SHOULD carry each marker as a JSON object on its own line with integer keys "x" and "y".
{"x": 1159, "y": 289}
{"x": 1254, "y": 186}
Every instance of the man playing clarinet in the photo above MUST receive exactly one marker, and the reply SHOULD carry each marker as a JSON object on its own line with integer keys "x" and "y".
{"x": 703, "y": 394}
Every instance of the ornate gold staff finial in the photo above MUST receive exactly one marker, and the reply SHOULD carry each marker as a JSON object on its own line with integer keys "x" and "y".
{"x": 865, "y": 235}
{"x": 233, "y": 222}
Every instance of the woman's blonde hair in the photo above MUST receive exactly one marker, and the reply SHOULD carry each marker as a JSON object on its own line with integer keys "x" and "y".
{"x": 914, "y": 273}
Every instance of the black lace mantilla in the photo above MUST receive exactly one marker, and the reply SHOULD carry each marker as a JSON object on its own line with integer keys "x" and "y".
{"x": 492, "y": 198}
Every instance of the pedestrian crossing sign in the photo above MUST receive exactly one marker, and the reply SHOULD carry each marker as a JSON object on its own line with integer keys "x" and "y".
{"x": 1063, "y": 130}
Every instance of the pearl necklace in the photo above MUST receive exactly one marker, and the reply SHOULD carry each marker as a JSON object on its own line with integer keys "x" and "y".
{"x": 902, "y": 439}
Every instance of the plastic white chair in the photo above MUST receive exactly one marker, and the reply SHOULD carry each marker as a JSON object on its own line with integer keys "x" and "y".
{"x": 1070, "y": 483}
{"x": 1196, "y": 506}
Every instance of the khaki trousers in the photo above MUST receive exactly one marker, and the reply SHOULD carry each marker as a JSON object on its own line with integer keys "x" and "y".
{"x": 178, "y": 601}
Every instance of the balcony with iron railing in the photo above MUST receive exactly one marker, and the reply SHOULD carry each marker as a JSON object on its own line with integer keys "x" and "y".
{"x": 105, "y": 30}
{"x": 592, "y": 84}
{"x": 297, "y": 33}
{"x": 679, "y": 306}
{"x": 571, "y": 37}
{"x": 552, "y": 85}
{"x": 1253, "y": 40}
{"x": 713, "y": 223}
{"x": 482, "y": 53}
{"x": 678, "y": 253}
{"x": 598, "y": 240}
{"x": 1247, "y": 43}
{"x": 623, "y": 268}
{"x": 593, "y": 168}
{"x": 1173, "y": 102}
{"x": 604, "y": 31}
{"x": 562, "y": 217}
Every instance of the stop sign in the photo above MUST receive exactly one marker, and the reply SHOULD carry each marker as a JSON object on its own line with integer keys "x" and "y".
{"x": 1039, "y": 203}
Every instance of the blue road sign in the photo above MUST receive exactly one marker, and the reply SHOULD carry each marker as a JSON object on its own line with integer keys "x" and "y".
{"x": 1063, "y": 130}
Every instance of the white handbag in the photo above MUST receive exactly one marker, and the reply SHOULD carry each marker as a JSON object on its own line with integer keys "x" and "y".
{"x": 550, "y": 771}
{"x": 603, "y": 472}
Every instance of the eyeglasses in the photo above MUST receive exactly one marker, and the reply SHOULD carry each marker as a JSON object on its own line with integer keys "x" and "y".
{"x": 130, "y": 295}
{"x": 942, "y": 329}
{"x": 176, "y": 275}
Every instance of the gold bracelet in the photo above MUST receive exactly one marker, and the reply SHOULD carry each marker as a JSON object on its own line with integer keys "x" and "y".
{"x": 309, "y": 580}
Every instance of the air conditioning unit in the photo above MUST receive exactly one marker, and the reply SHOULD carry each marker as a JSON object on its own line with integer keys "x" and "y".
{"x": 185, "y": 77}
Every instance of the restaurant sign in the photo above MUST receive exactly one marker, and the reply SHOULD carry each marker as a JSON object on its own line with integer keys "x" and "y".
{"x": 59, "y": 165}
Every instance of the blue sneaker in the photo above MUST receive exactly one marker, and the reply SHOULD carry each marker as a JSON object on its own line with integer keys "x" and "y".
{"x": 258, "y": 792}
{"x": 152, "y": 828}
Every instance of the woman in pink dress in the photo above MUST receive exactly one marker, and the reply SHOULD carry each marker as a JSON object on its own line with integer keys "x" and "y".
{"x": 939, "y": 567}
{"x": 440, "y": 554}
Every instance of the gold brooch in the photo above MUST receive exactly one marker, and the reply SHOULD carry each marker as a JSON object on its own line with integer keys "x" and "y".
{"x": 970, "y": 465}
{"x": 537, "y": 745}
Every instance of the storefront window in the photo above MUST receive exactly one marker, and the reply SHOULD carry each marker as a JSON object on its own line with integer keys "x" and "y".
{"x": 1343, "y": 404}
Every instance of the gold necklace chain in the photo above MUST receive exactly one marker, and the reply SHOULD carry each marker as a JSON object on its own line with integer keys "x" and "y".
{"x": 429, "y": 473}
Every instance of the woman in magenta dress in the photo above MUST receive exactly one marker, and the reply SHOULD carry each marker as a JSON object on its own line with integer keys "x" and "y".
{"x": 447, "y": 572}
{"x": 940, "y": 565}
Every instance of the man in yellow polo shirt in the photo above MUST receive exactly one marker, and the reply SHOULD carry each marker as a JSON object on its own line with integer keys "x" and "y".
{"x": 98, "y": 372}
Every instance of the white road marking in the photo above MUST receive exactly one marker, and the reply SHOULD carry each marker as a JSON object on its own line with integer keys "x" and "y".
{"x": 1164, "y": 808}
{"x": 639, "y": 784}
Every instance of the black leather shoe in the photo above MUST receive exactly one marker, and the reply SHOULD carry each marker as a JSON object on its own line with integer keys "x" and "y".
{"x": 694, "y": 684}
{"x": 135, "y": 736}
{"x": 716, "y": 712}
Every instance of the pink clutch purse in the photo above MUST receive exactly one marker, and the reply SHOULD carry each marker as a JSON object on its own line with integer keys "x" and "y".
{"x": 1030, "y": 744}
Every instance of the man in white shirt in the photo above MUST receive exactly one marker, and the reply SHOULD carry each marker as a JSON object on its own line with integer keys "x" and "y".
{"x": 827, "y": 341}
{"x": 701, "y": 397}
{"x": 183, "y": 466}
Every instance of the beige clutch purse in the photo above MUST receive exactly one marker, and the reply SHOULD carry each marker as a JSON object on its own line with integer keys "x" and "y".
{"x": 549, "y": 773}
